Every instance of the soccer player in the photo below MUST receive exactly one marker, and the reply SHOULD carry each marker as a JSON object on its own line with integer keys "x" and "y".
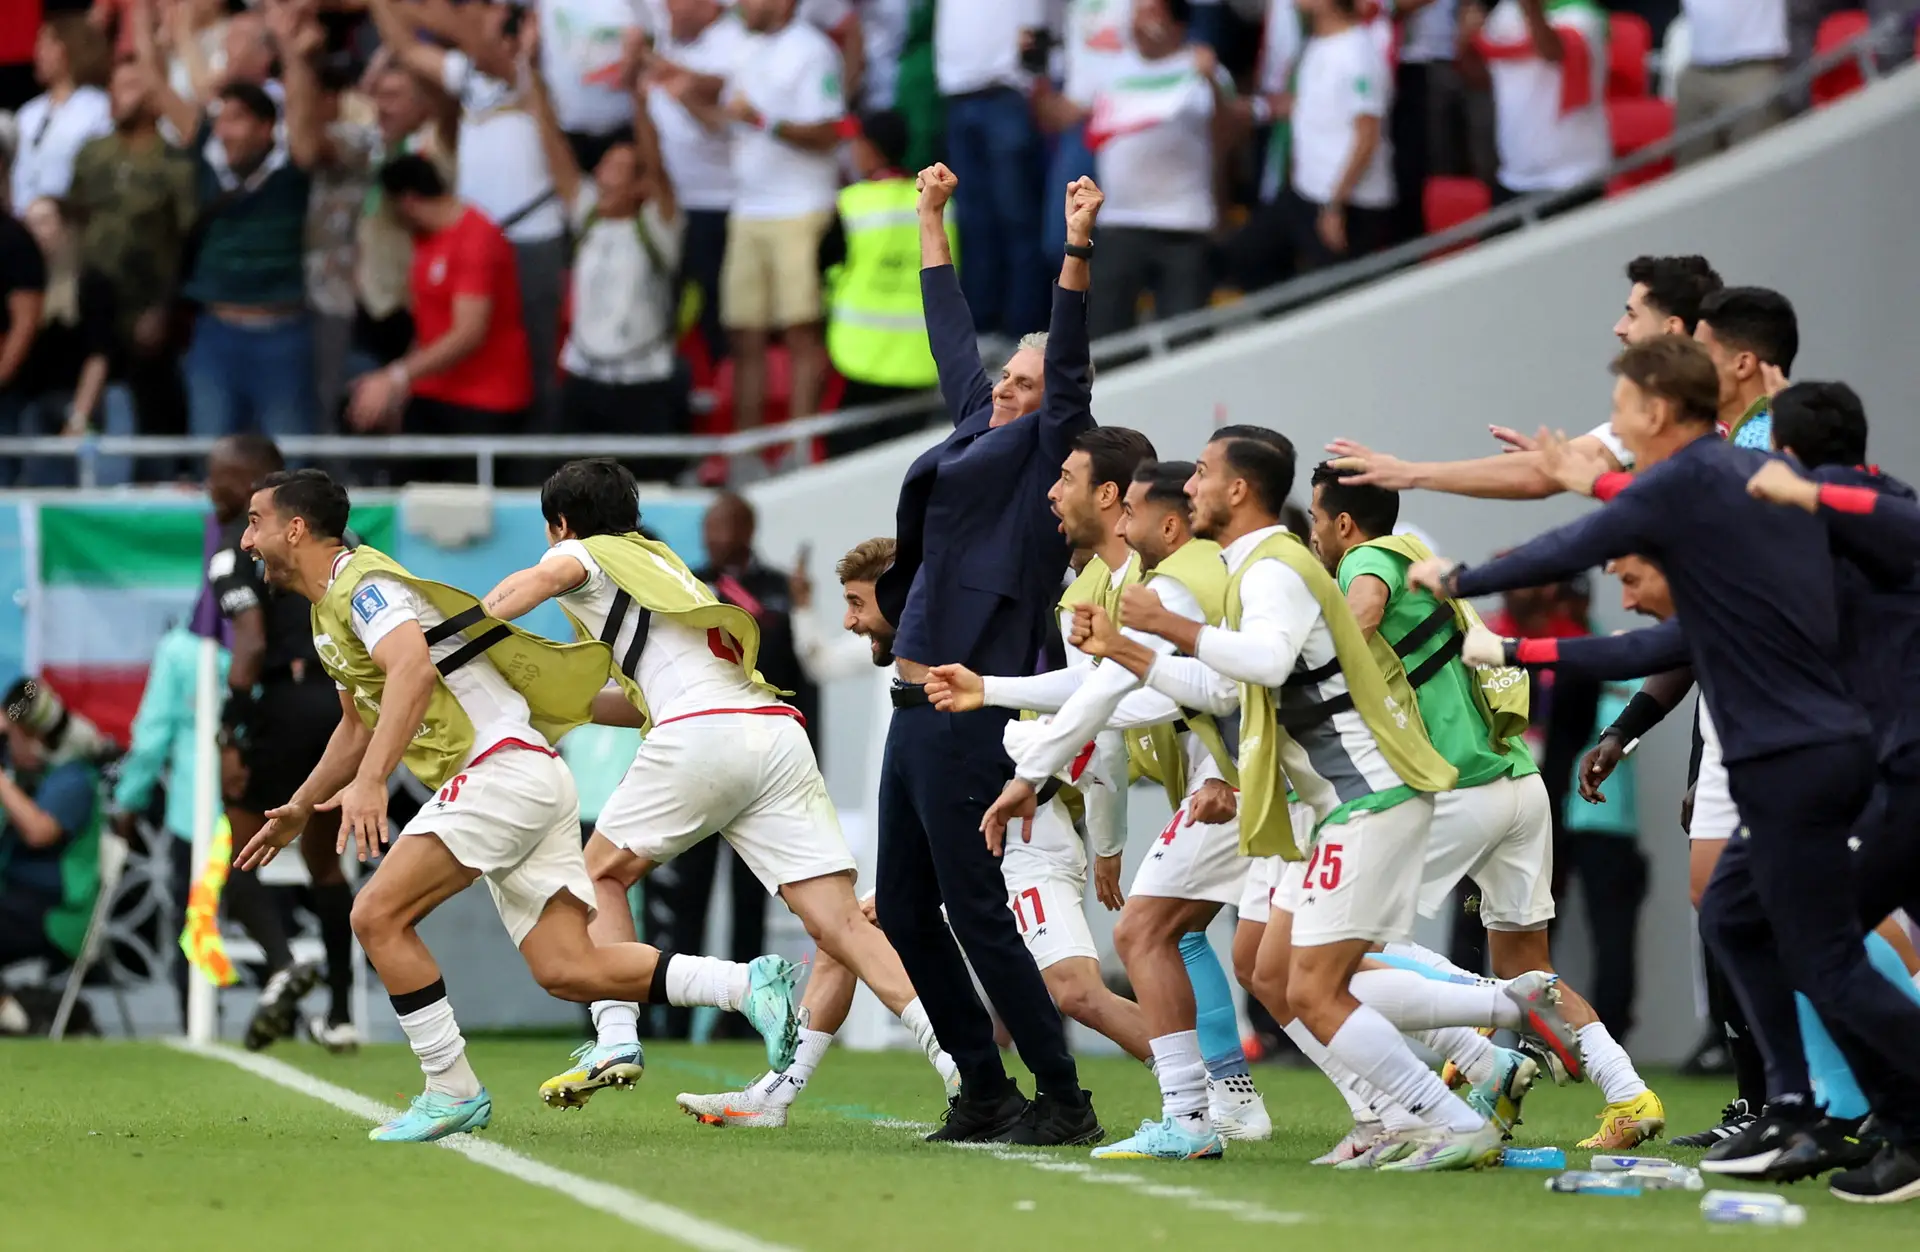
{"x": 1756, "y": 587}
{"x": 470, "y": 705}
{"x": 722, "y": 753}
{"x": 1496, "y": 825}
{"x": 1316, "y": 709}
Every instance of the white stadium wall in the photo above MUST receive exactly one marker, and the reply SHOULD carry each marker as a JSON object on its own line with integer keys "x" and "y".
{"x": 1516, "y": 333}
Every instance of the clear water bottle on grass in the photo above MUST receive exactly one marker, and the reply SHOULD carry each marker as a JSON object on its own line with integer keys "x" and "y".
{"x": 1751, "y": 1208}
{"x": 1592, "y": 1182}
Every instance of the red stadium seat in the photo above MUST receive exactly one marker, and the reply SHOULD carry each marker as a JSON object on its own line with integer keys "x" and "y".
{"x": 1450, "y": 201}
{"x": 1629, "y": 40}
{"x": 1635, "y": 124}
{"x": 1835, "y": 30}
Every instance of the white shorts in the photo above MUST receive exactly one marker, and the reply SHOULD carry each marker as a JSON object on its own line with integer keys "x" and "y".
{"x": 1714, "y": 813}
{"x": 1052, "y": 915}
{"x": 1289, "y": 885}
{"x": 1363, "y": 879}
{"x": 750, "y": 776}
{"x": 1256, "y": 890}
{"x": 1193, "y": 862}
{"x": 1500, "y": 834}
{"x": 1279, "y": 885}
{"x": 514, "y": 816}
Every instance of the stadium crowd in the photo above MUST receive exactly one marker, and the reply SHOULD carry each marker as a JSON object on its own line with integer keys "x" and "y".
{"x": 661, "y": 216}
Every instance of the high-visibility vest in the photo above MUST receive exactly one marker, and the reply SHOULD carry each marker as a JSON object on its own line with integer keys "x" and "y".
{"x": 877, "y": 331}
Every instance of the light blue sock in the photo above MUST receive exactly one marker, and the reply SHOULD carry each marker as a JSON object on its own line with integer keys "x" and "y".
{"x": 1834, "y": 1087}
{"x": 1421, "y": 968}
{"x": 1214, "y": 1017}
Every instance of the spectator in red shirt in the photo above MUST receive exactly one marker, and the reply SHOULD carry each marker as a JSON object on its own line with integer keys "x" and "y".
{"x": 470, "y": 372}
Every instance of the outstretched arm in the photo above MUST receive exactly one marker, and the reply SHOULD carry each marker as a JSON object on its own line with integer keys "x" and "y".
{"x": 950, "y": 334}
{"x": 520, "y": 593}
{"x": 1630, "y": 654}
{"x": 1858, "y": 516}
{"x": 1621, "y": 527}
{"x": 1066, "y": 409}
{"x": 1512, "y": 476}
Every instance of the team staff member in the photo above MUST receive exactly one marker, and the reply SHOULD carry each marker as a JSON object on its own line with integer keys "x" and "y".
{"x": 280, "y": 710}
{"x": 976, "y": 575}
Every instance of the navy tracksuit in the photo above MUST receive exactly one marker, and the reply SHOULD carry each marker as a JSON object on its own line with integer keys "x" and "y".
{"x": 1757, "y": 586}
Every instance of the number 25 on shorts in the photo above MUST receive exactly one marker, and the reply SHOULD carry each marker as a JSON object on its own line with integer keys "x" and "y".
{"x": 451, "y": 792}
{"x": 1325, "y": 862}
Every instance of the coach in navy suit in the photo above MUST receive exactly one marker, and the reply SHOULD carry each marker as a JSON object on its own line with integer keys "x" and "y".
{"x": 975, "y": 582}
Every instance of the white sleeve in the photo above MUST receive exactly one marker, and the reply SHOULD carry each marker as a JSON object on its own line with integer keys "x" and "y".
{"x": 1083, "y": 716}
{"x": 1367, "y": 84}
{"x": 1277, "y": 613}
{"x": 379, "y": 604}
{"x": 822, "y": 95}
{"x": 826, "y": 659}
{"x": 1107, "y": 802}
{"x": 578, "y": 551}
{"x": 1604, "y": 433}
{"x": 1192, "y": 684}
{"x": 456, "y": 71}
{"x": 1043, "y": 693}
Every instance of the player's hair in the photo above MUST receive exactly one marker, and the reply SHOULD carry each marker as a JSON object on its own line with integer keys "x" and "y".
{"x": 411, "y": 174}
{"x": 1674, "y": 367}
{"x": 312, "y": 496}
{"x": 592, "y": 496}
{"x": 886, "y": 130}
{"x": 1375, "y": 510}
{"x": 1166, "y": 481}
{"x": 1114, "y": 452}
{"x": 1822, "y": 423}
{"x": 1263, "y": 457}
{"x": 1675, "y": 284}
{"x": 255, "y": 449}
{"x": 1757, "y": 320}
{"x": 866, "y": 561}
{"x": 253, "y": 99}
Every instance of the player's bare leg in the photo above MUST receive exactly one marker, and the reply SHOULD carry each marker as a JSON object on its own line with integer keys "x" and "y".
{"x": 1081, "y": 993}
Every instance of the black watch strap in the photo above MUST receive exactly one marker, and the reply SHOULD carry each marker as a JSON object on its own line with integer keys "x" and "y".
{"x": 1080, "y": 251}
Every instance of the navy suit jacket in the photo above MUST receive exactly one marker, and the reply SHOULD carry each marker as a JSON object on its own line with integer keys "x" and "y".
{"x": 973, "y": 523}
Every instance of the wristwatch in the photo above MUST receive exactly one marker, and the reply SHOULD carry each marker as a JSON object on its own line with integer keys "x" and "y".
{"x": 1080, "y": 251}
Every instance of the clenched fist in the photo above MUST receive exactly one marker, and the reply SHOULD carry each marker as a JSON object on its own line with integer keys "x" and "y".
{"x": 935, "y": 185}
{"x": 1084, "y": 199}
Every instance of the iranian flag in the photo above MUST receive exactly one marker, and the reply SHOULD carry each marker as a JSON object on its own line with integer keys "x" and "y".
{"x": 104, "y": 581}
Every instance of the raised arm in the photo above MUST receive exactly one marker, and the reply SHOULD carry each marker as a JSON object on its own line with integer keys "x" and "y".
{"x": 300, "y": 41}
{"x": 562, "y": 165}
{"x": 950, "y": 333}
{"x": 182, "y": 115}
{"x": 1066, "y": 410}
{"x": 396, "y": 35}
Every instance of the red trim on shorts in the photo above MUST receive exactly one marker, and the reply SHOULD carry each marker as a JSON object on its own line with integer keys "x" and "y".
{"x": 511, "y": 743}
{"x": 765, "y": 710}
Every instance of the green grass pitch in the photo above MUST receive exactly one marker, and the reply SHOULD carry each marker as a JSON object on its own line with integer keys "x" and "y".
{"x": 135, "y": 1145}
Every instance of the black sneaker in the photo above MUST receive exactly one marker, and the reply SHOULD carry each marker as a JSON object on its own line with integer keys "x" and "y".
{"x": 988, "y": 1119}
{"x": 1828, "y": 1144}
{"x": 1734, "y": 1118}
{"x": 1892, "y": 1176}
{"x": 279, "y": 1007}
{"x": 1053, "y": 1122}
{"x": 1748, "y": 1152}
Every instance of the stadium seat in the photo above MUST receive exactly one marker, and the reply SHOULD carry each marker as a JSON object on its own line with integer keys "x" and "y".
{"x": 1635, "y": 124}
{"x": 1837, "y": 29}
{"x": 1446, "y": 201}
{"x": 1629, "y": 40}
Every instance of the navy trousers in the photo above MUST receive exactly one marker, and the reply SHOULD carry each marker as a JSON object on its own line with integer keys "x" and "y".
{"x": 1781, "y": 914}
{"x": 940, "y": 772}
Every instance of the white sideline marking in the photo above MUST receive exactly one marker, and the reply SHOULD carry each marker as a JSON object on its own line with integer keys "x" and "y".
{"x": 628, "y": 1206}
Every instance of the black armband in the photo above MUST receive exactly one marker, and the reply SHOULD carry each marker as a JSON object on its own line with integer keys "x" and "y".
{"x": 1641, "y": 715}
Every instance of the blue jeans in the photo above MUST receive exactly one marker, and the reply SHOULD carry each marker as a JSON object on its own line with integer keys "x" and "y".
{"x": 1071, "y": 159}
{"x": 252, "y": 378}
{"x": 45, "y": 414}
{"x": 994, "y": 148}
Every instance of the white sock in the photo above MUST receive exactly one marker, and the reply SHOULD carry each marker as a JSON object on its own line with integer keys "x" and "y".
{"x": 914, "y": 1018}
{"x": 1183, "y": 1077}
{"x": 1429, "y": 958}
{"x": 1366, "y": 1104}
{"x": 1467, "y": 1048}
{"x": 616, "y": 1022}
{"x": 706, "y": 980}
{"x": 786, "y": 1086}
{"x": 437, "y": 1041}
{"x": 1411, "y": 1002}
{"x": 1367, "y": 1044}
{"x": 1608, "y": 1065}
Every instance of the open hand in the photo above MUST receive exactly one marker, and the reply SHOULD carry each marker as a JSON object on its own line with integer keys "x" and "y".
{"x": 1362, "y": 466}
{"x": 376, "y": 398}
{"x": 1576, "y": 469}
{"x": 1017, "y": 802}
{"x": 1431, "y": 575}
{"x": 1598, "y": 765}
{"x": 955, "y": 689}
{"x": 284, "y": 825}
{"x": 935, "y": 185}
{"x": 362, "y": 804}
{"x": 1776, "y": 483}
{"x": 1511, "y": 440}
{"x": 1106, "y": 882}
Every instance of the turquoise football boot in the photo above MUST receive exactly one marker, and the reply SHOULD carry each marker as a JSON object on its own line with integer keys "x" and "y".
{"x": 1166, "y": 1140}
{"x": 434, "y": 1116}
{"x": 773, "y": 1006}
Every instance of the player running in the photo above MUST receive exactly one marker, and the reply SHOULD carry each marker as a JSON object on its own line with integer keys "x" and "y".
{"x": 722, "y": 753}
{"x": 471, "y": 706}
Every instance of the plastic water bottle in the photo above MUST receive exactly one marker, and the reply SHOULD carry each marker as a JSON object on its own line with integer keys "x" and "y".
{"x": 1608, "y": 1164}
{"x": 1751, "y": 1208}
{"x": 1667, "y": 1176}
{"x": 1533, "y": 1158}
{"x": 1591, "y": 1182}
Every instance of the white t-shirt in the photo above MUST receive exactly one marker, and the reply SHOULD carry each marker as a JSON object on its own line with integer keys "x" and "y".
{"x": 1152, "y": 134}
{"x": 50, "y": 136}
{"x": 699, "y": 160}
{"x": 679, "y": 669}
{"x": 791, "y": 75}
{"x": 502, "y": 167}
{"x": 1604, "y": 433}
{"x": 1427, "y": 36}
{"x": 1727, "y": 32}
{"x": 580, "y": 54}
{"x": 1550, "y": 121}
{"x": 1342, "y": 78}
{"x": 976, "y": 43}
{"x": 1098, "y": 35}
{"x": 497, "y": 711}
{"x": 623, "y": 304}
{"x": 883, "y": 28}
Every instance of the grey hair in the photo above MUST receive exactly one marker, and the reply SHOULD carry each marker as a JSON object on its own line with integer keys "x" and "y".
{"x": 1037, "y": 340}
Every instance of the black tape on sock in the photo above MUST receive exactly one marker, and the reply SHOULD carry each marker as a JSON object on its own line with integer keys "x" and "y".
{"x": 414, "y": 1001}
{"x": 657, "y": 989}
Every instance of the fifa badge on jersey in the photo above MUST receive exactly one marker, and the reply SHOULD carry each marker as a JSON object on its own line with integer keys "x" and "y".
{"x": 367, "y": 603}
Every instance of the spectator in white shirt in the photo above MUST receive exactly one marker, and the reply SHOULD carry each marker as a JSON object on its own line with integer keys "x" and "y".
{"x": 840, "y": 21}
{"x": 1095, "y": 37}
{"x": 1341, "y": 196}
{"x": 502, "y": 164}
{"x": 584, "y": 63}
{"x": 70, "y": 59}
{"x": 789, "y": 115}
{"x": 994, "y": 147}
{"x": 1547, "y": 62}
{"x": 1154, "y": 131}
{"x": 618, "y": 363}
{"x": 1736, "y": 54}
